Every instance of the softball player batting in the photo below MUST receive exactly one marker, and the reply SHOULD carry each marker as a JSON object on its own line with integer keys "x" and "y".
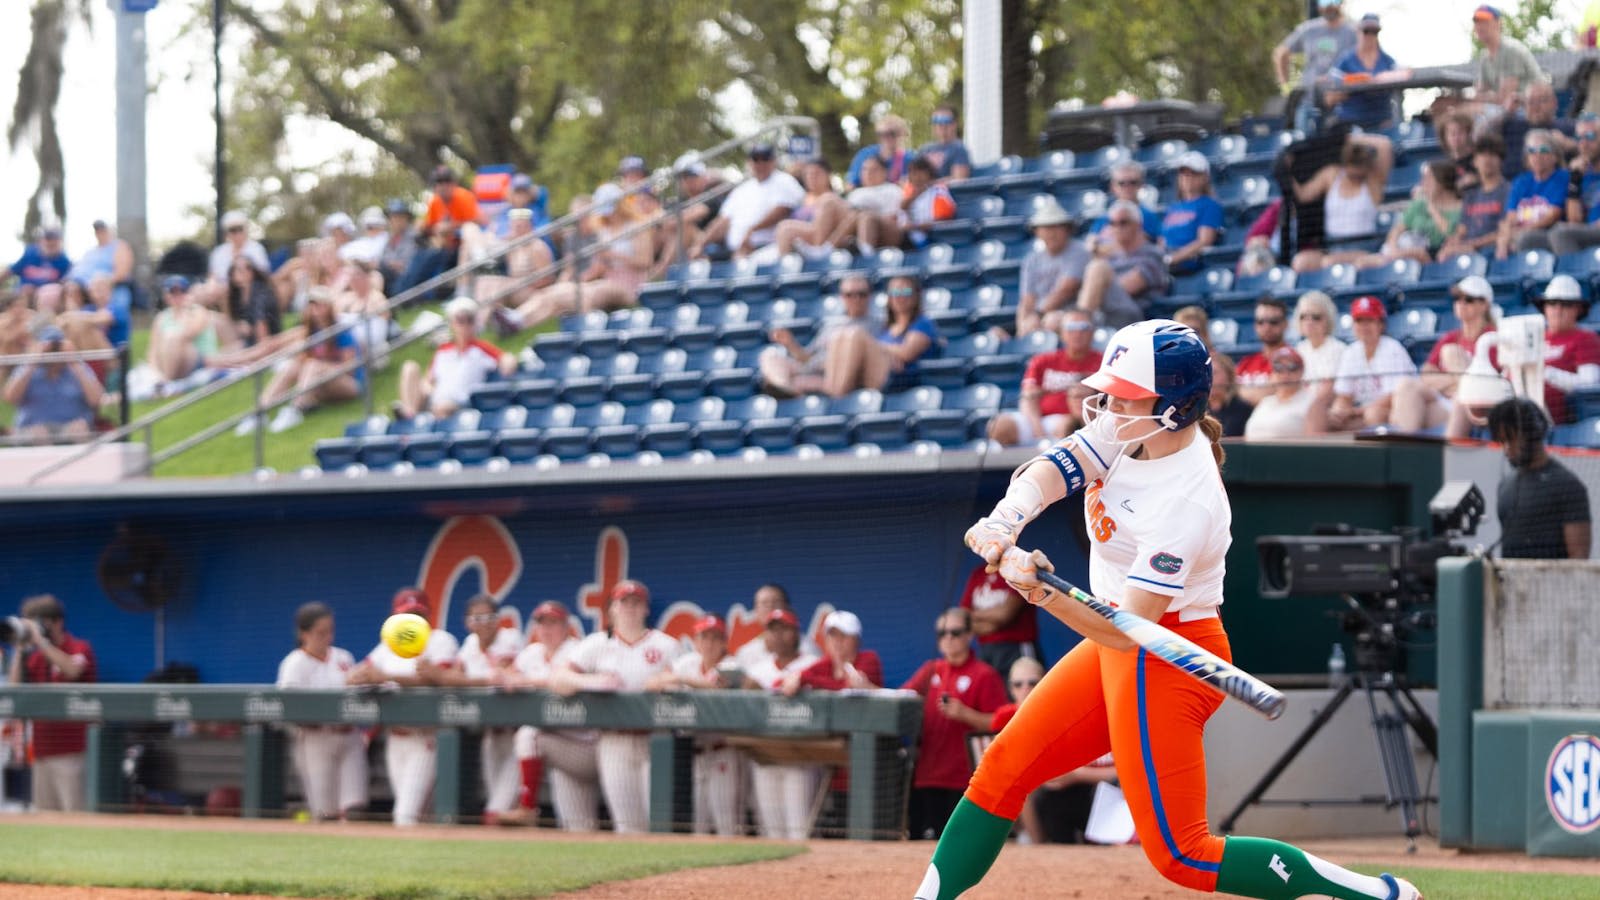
{"x": 1148, "y": 457}
{"x": 622, "y": 658}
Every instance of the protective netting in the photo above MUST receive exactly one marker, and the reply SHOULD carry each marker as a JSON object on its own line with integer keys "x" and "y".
{"x": 1540, "y": 628}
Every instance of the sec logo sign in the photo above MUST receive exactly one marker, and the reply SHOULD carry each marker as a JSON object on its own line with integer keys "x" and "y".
{"x": 1572, "y": 783}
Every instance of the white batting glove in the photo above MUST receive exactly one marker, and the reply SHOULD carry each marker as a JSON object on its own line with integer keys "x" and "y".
{"x": 991, "y": 536}
{"x": 1020, "y": 568}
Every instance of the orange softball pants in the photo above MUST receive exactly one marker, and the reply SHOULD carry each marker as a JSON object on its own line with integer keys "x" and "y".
{"x": 1150, "y": 716}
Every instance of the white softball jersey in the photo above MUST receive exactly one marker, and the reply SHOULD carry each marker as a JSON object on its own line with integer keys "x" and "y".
{"x": 441, "y": 650}
{"x": 536, "y": 660}
{"x": 633, "y": 664}
{"x": 302, "y": 670}
{"x": 476, "y": 663}
{"x": 1162, "y": 525}
{"x": 769, "y": 675}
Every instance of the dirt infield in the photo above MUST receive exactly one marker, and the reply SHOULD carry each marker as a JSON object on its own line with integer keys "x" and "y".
{"x": 836, "y": 869}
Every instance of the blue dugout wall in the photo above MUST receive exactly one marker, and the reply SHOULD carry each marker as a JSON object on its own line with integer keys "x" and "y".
{"x": 879, "y": 537}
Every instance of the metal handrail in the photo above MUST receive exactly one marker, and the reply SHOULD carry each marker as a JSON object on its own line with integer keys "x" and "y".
{"x": 146, "y": 423}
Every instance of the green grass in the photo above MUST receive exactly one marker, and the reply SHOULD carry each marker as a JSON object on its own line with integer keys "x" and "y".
{"x": 286, "y": 452}
{"x": 1443, "y": 884}
{"x": 326, "y": 864}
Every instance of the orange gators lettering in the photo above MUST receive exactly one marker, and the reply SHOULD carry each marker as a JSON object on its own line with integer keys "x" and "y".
{"x": 1101, "y": 525}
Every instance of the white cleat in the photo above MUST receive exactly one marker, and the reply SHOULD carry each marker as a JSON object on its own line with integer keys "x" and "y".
{"x": 1400, "y": 889}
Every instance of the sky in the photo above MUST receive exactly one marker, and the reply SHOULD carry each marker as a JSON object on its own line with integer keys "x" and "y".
{"x": 180, "y": 133}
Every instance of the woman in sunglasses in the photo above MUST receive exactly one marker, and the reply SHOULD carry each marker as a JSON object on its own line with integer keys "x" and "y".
{"x": 1289, "y": 411}
{"x": 1314, "y": 317}
{"x": 1428, "y": 401}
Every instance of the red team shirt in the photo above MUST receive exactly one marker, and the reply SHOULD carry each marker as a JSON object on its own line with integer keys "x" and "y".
{"x": 1055, "y": 372}
{"x": 1567, "y": 350}
{"x": 986, "y": 590}
{"x": 1454, "y": 337}
{"x": 60, "y": 738}
{"x": 819, "y": 675}
{"x": 1253, "y": 370}
{"x": 943, "y": 761}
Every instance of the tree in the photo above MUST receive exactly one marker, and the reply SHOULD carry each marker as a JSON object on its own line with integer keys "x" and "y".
{"x": 1537, "y": 24}
{"x": 33, "y": 116}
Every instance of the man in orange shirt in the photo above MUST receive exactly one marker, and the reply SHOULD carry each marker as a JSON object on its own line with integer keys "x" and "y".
{"x": 452, "y": 229}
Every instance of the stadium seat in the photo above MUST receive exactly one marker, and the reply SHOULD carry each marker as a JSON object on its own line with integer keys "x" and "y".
{"x": 1444, "y": 274}
{"x": 660, "y": 295}
{"x": 890, "y": 427}
{"x": 471, "y": 448}
{"x": 752, "y": 287}
{"x": 950, "y": 424}
{"x": 576, "y": 385}
{"x": 726, "y": 434}
{"x": 687, "y": 332}
{"x": 992, "y": 305}
{"x": 1403, "y": 179}
{"x": 382, "y": 451}
{"x": 369, "y": 425}
{"x": 623, "y": 438}
{"x": 1583, "y": 265}
{"x": 950, "y": 370}
{"x": 1518, "y": 272}
{"x": 683, "y": 374}
{"x": 1280, "y": 281}
{"x": 333, "y": 454}
{"x": 425, "y": 451}
{"x": 554, "y": 347}
{"x": 776, "y": 433}
{"x": 1329, "y": 278}
{"x": 535, "y": 393}
{"x": 1222, "y": 149}
{"x": 800, "y": 285}
{"x": 831, "y": 430}
{"x": 1396, "y": 274}
{"x": 572, "y": 441}
{"x": 738, "y": 380}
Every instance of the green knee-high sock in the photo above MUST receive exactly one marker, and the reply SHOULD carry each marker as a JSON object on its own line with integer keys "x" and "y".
{"x": 971, "y": 841}
{"x": 1271, "y": 870}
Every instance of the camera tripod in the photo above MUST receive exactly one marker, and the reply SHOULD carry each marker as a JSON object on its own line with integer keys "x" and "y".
{"x": 1389, "y": 725}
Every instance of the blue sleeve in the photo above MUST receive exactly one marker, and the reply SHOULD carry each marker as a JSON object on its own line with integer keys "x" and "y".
{"x": 346, "y": 340}
{"x": 1344, "y": 65}
{"x": 1554, "y": 189}
{"x": 22, "y": 262}
{"x": 926, "y": 326}
{"x": 1210, "y": 214}
{"x": 1152, "y": 222}
{"x": 957, "y": 155}
{"x": 1098, "y": 224}
{"x": 1519, "y": 191}
{"x": 853, "y": 176}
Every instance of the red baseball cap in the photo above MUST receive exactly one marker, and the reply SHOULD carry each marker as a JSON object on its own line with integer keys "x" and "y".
{"x": 708, "y": 623}
{"x": 550, "y": 609}
{"x": 410, "y": 599}
{"x": 1368, "y": 308}
{"x": 627, "y": 587}
{"x": 784, "y": 616}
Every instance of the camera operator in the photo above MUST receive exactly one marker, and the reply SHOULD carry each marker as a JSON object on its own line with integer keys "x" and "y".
{"x": 1544, "y": 508}
{"x": 47, "y": 654}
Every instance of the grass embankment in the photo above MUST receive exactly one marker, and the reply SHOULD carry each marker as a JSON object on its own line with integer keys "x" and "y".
{"x": 326, "y": 864}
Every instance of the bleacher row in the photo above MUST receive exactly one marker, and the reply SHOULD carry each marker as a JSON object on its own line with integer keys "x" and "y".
{"x": 677, "y": 376}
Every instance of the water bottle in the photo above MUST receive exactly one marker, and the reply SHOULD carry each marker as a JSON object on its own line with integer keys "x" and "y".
{"x": 1336, "y": 666}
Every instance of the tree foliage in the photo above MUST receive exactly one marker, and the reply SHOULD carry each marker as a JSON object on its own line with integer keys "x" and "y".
{"x": 563, "y": 90}
{"x": 1537, "y": 24}
{"x": 33, "y": 116}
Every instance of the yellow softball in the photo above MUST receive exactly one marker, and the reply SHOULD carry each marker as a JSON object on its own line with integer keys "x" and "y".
{"x": 406, "y": 634}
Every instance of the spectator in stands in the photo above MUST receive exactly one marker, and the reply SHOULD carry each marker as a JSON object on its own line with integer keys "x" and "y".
{"x": 599, "y": 663}
{"x": 1195, "y": 317}
{"x": 1539, "y": 105}
{"x": 48, "y": 654}
{"x": 184, "y": 334}
{"x": 362, "y": 305}
{"x": 609, "y": 280}
{"x": 1369, "y": 370}
{"x": 410, "y": 756}
{"x": 1457, "y": 143}
{"x": 1117, "y": 287}
{"x": 1224, "y": 403}
{"x": 907, "y": 338}
{"x": 788, "y": 369}
{"x": 1290, "y": 409}
{"x": 1351, "y": 193}
{"x": 331, "y": 760}
{"x": 1254, "y": 373}
{"x": 1126, "y": 180}
{"x": 845, "y": 666}
{"x": 523, "y": 194}
{"x": 569, "y": 754}
{"x": 1007, "y": 626}
{"x": 1505, "y": 67}
{"x": 399, "y": 244}
{"x": 1537, "y": 199}
{"x": 1581, "y": 227}
{"x": 368, "y": 246}
{"x": 42, "y": 262}
{"x": 890, "y": 149}
{"x": 55, "y": 401}
{"x": 751, "y": 211}
{"x": 251, "y": 303}
{"x": 875, "y": 208}
{"x": 521, "y": 262}
{"x": 1543, "y": 507}
{"x": 311, "y": 366}
{"x": 1483, "y": 205}
{"x": 1052, "y": 272}
{"x": 1052, "y": 389}
{"x": 694, "y": 180}
{"x": 1366, "y": 62}
{"x": 926, "y": 201}
{"x": 632, "y": 173}
{"x": 943, "y": 764}
{"x": 719, "y": 770}
{"x": 1572, "y": 352}
{"x": 459, "y": 365}
{"x": 236, "y": 240}
{"x": 451, "y": 229}
{"x": 1315, "y": 315}
{"x": 341, "y": 234}
{"x": 819, "y": 220}
{"x": 1427, "y": 401}
{"x": 946, "y": 153}
{"x": 97, "y": 318}
{"x": 111, "y": 259}
{"x": 1196, "y": 220}
{"x": 1428, "y": 221}
{"x": 1322, "y": 41}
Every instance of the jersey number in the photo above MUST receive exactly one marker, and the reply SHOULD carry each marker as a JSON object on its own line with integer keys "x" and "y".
{"x": 1101, "y": 525}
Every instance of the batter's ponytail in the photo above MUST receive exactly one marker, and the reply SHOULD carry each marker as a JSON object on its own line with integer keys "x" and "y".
{"x": 1212, "y": 429}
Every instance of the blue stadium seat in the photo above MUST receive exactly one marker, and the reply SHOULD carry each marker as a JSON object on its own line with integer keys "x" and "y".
{"x": 1328, "y": 278}
{"x": 738, "y": 380}
{"x": 683, "y": 374}
{"x": 1584, "y": 433}
{"x": 706, "y": 293}
{"x": 890, "y": 427}
{"x": 1415, "y": 325}
{"x": 633, "y": 378}
{"x": 364, "y": 427}
{"x": 1403, "y": 179}
{"x": 1222, "y": 149}
{"x": 777, "y": 432}
{"x": 427, "y": 450}
{"x": 1396, "y": 274}
{"x": 382, "y": 451}
{"x": 955, "y": 232}
{"x": 950, "y": 370}
{"x": 993, "y": 305}
{"x": 831, "y": 430}
{"x": 1518, "y": 272}
{"x": 623, "y": 438}
{"x": 1583, "y": 265}
{"x": 968, "y": 192}
{"x": 726, "y": 434}
{"x": 1584, "y": 402}
{"x": 986, "y": 176}
{"x": 535, "y": 393}
{"x": 661, "y": 295}
{"x": 737, "y": 327}
{"x": 1090, "y": 169}
{"x": 573, "y": 441}
{"x": 1003, "y": 228}
{"x": 1280, "y": 281}
{"x": 334, "y": 454}
{"x": 1161, "y": 155}
{"x": 752, "y": 287}
{"x": 799, "y": 285}
{"x": 576, "y": 385}
{"x": 1445, "y": 273}
{"x": 554, "y": 347}
{"x": 949, "y": 425}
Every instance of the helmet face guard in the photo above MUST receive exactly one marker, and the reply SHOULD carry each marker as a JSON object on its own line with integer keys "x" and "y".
{"x": 1157, "y": 359}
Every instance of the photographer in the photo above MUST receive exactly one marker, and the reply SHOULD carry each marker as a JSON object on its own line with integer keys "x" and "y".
{"x": 1544, "y": 508}
{"x": 46, "y": 654}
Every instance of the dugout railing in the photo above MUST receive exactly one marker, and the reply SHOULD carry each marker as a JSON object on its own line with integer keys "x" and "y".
{"x": 256, "y": 374}
{"x": 872, "y": 725}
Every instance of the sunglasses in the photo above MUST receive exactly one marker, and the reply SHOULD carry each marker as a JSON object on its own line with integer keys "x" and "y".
{"x": 1541, "y": 150}
{"x": 236, "y": 229}
{"x": 1121, "y": 222}
{"x": 1276, "y": 320}
{"x": 1026, "y": 682}
{"x": 1315, "y": 317}
{"x": 902, "y": 292}
{"x": 1128, "y": 182}
{"x": 951, "y": 632}
{"x": 943, "y": 120}
{"x": 1588, "y": 135}
{"x": 481, "y": 618}
{"x": 1468, "y": 298}
{"x": 1286, "y": 366}
{"x": 888, "y": 134}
